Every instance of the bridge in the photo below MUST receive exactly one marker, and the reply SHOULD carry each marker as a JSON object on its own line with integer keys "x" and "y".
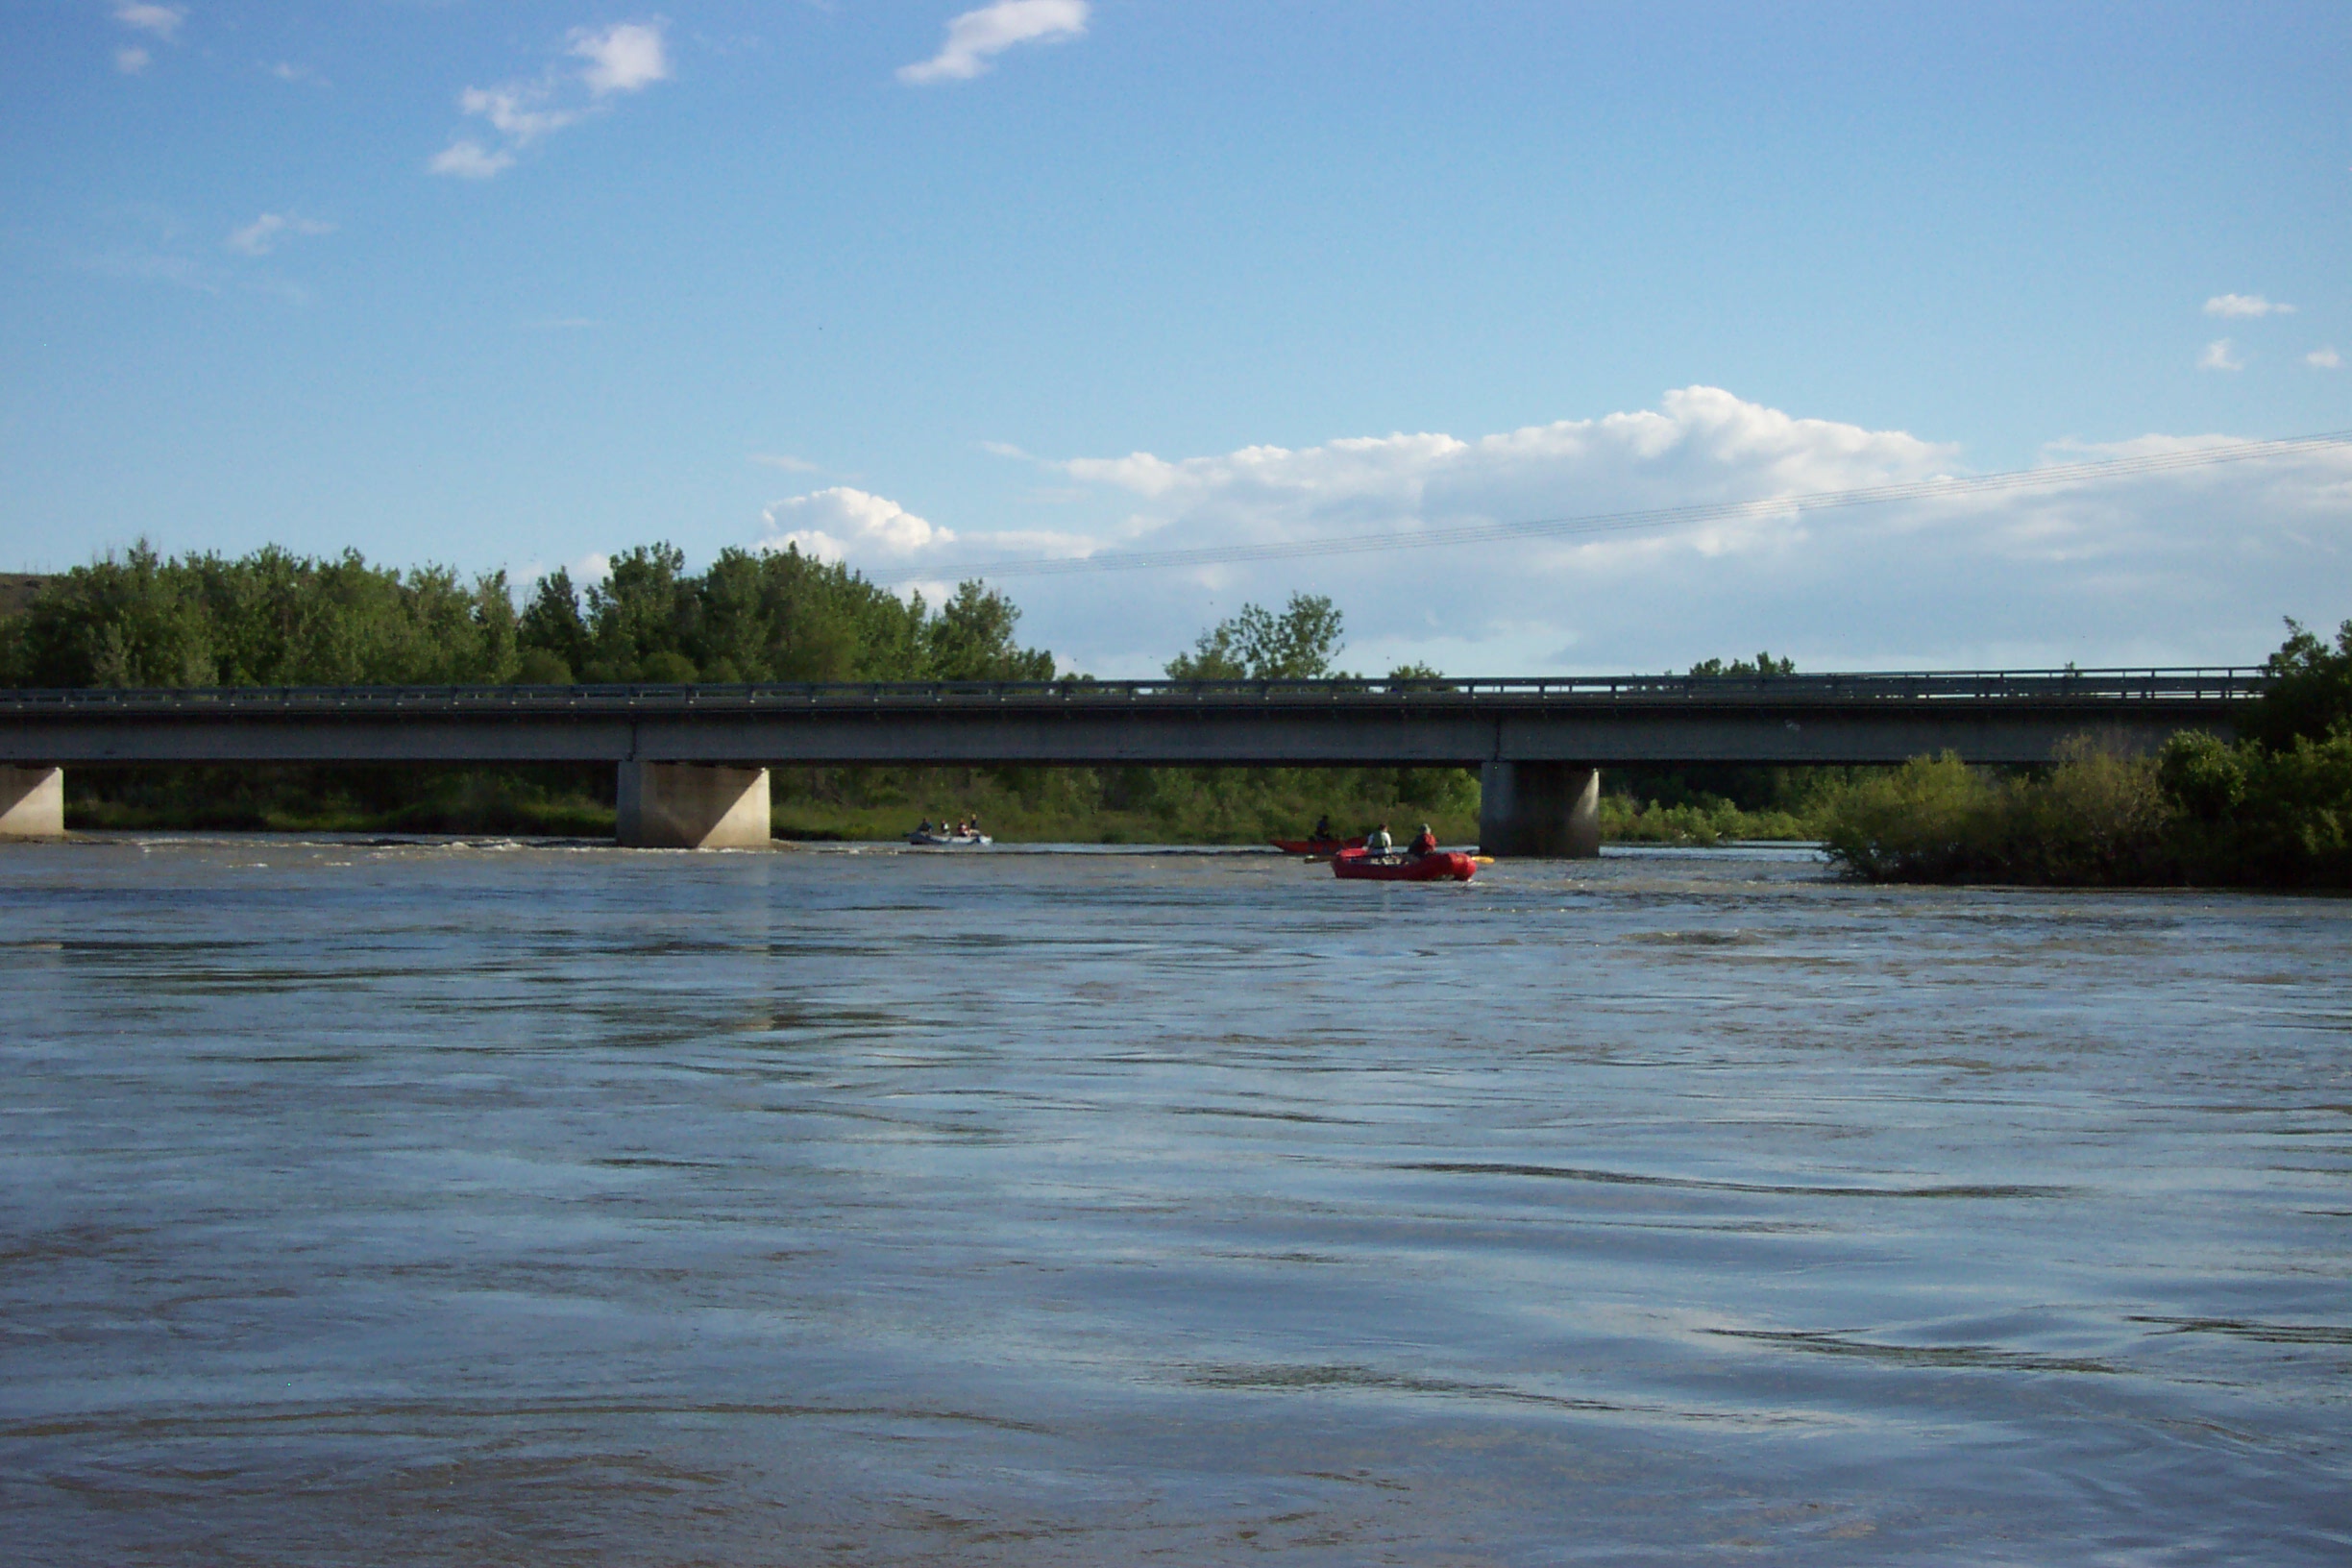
{"x": 693, "y": 760}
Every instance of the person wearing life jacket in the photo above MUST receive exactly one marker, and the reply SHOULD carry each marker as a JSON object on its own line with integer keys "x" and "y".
{"x": 1322, "y": 833}
{"x": 1378, "y": 843}
{"x": 1425, "y": 843}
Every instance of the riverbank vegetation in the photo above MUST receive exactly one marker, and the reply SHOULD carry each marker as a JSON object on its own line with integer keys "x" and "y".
{"x": 277, "y": 618}
{"x": 2273, "y": 809}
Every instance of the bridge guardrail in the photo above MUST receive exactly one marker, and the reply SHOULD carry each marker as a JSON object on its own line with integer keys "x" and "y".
{"x": 2216, "y": 686}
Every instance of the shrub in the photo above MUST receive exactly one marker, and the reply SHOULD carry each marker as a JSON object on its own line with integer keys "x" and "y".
{"x": 1932, "y": 819}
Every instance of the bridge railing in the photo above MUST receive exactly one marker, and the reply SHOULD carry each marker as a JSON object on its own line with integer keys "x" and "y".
{"x": 2216, "y": 686}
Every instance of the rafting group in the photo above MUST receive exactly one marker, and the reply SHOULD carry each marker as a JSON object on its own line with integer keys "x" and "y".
{"x": 963, "y": 834}
{"x": 1375, "y": 858}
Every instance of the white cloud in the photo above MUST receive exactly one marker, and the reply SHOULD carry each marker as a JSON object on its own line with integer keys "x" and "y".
{"x": 131, "y": 59}
{"x": 288, "y": 70}
{"x": 2192, "y": 566}
{"x": 626, "y": 57}
{"x": 2325, "y": 360}
{"x": 2219, "y": 355}
{"x": 2233, "y": 305}
{"x": 163, "y": 21}
{"x": 840, "y": 522}
{"x": 785, "y": 461}
{"x": 1704, "y": 445}
{"x": 515, "y": 110}
{"x": 978, "y": 37}
{"x": 262, "y": 235}
{"x": 469, "y": 161}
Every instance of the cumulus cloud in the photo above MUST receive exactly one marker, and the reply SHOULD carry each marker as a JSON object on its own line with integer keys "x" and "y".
{"x": 159, "y": 22}
{"x": 163, "y": 21}
{"x": 519, "y": 112}
{"x": 976, "y": 38}
{"x": 2235, "y": 305}
{"x": 626, "y": 57}
{"x": 2192, "y": 566}
{"x": 1702, "y": 445}
{"x": 262, "y": 235}
{"x": 2221, "y": 355}
{"x": 2325, "y": 360}
{"x": 469, "y": 161}
{"x": 840, "y": 522}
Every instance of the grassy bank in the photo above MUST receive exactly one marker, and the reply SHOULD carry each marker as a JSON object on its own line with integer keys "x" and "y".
{"x": 1139, "y": 805}
{"x": 1701, "y": 823}
{"x": 545, "y": 801}
{"x": 1016, "y": 805}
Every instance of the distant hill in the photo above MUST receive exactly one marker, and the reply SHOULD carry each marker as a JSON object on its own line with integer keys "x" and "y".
{"x": 17, "y": 591}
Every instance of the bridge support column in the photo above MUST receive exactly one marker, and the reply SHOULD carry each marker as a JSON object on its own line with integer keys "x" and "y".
{"x": 32, "y": 802}
{"x": 1539, "y": 810}
{"x": 684, "y": 806}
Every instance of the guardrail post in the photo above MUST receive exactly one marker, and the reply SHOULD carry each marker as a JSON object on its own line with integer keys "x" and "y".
{"x": 32, "y": 802}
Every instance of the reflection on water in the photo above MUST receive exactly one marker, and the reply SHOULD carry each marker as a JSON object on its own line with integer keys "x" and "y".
{"x": 489, "y": 1203}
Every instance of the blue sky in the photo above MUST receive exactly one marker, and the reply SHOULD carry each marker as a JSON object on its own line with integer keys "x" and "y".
{"x": 518, "y": 285}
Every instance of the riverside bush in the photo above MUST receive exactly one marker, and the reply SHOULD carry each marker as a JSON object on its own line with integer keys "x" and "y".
{"x": 1697, "y": 823}
{"x": 2273, "y": 809}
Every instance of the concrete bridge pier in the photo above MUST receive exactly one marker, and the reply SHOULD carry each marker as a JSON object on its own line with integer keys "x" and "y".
{"x": 684, "y": 806}
{"x": 1539, "y": 810}
{"x": 32, "y": 802}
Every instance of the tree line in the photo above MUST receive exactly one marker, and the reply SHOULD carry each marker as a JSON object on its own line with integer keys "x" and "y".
{"x": 274, "y": 618}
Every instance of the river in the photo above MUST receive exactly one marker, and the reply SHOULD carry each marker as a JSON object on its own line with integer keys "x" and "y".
{"x": 488, "y": 1203}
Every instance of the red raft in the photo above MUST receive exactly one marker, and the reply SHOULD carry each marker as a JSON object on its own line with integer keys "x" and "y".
{"x": 1315, "y": 846}
{"x": 1439, "y": 866}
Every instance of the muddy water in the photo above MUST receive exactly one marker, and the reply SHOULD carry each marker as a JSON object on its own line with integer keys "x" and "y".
{"x": 498, "y": 1204}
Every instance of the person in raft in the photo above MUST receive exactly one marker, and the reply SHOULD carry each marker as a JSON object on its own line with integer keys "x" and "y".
{"x": 1378, "y": 843}
{"x": 1425, "y": 843}
{"x": 1322, "y": 833}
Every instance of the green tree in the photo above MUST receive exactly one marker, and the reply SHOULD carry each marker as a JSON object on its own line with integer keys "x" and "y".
{"x": 269, "y": 619}
{"x": 640, "y": 609}
{"x": 1763, "y": 664}
{"x": 971, "y": 639}
{"x": 2309, "y": 692}
{"x": 1256, "y": 643}
{"x": 554, "y": 636}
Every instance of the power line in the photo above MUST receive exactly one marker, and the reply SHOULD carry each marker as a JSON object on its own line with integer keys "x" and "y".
{"x": 1656, "y": 517}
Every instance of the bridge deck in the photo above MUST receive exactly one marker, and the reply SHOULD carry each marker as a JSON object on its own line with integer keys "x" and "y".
{"x": 1989, "y": 716}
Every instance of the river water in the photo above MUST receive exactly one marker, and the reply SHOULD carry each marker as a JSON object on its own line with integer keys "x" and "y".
{"x": 495, "y": 1203}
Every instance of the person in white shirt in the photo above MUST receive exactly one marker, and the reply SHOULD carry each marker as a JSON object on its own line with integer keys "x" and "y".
{"x": 1378, "y": 841}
